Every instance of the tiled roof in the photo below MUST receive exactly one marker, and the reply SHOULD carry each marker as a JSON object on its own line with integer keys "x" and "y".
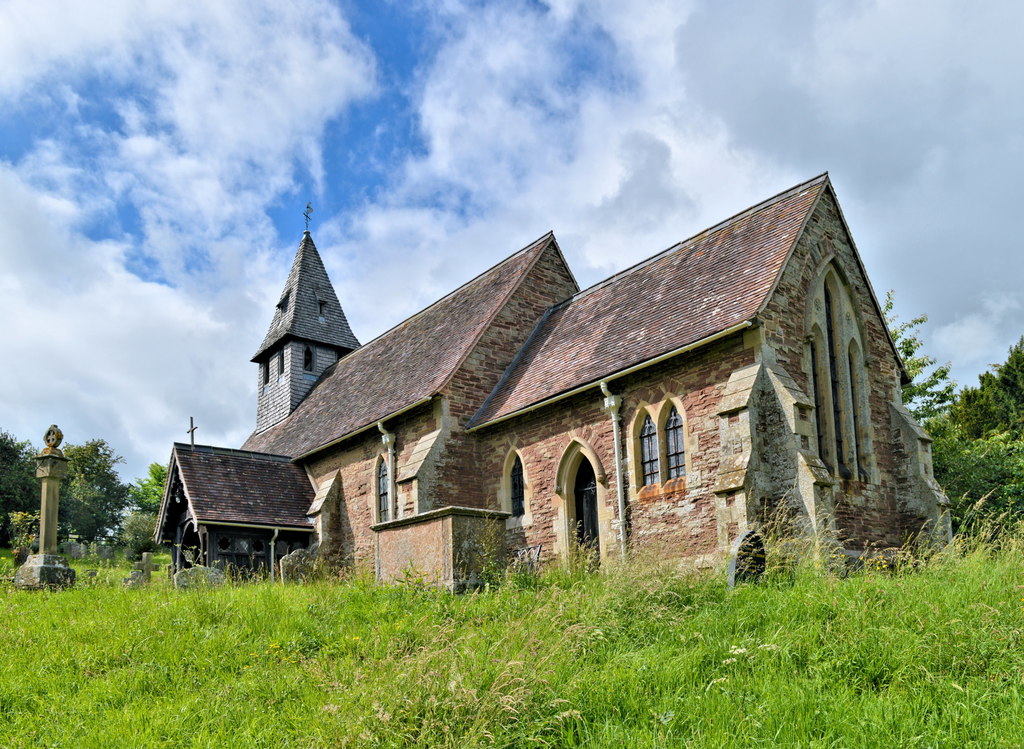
{"x": 232, "y": 486}
{"x": 410, "y": 362}
{"x": 308, "y": 293}
{"x": 695, "y": 289}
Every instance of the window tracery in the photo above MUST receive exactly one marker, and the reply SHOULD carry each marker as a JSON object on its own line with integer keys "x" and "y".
{"x": 675, "y": 449}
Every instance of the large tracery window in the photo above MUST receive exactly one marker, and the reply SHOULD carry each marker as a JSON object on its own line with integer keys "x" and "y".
{"x": 838, "y": 377}
{"x": 383, "y": 505}
{"x": 518, "y": 489}
{"x": 649, "y": 452}
{"x": 675, "y": 451}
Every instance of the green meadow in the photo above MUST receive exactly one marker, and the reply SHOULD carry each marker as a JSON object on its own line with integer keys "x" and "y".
{"x": 930, "y": 654}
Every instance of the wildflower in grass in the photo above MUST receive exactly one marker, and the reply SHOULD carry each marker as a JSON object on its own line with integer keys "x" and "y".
{"x": 727, "y": 661}
{"x": 737, "y": 650}
{"x": 768, "y": 646}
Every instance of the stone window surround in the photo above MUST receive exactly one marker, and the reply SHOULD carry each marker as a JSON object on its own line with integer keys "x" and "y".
{"x": 659, "y": 412}
{"x": 854, "y": 408}
{"x": 505, "y": 491}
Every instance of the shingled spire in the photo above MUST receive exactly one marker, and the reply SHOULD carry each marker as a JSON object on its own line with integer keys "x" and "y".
{"x": 309, "y": 332}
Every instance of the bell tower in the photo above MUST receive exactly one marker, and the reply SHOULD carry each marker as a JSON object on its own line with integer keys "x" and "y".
{"x": 308, "y": 333}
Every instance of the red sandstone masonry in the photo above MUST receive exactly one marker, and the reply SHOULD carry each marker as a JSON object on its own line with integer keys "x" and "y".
{"x": 865, "y": 512}
{"x": 675, "y": 515}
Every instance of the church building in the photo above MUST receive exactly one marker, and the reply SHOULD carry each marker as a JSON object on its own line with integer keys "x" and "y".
{"x": 742, "y": 373}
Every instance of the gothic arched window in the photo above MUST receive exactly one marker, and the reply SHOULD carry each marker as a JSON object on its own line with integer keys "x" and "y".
{"x": 307, "y": 359}
{"x": 518, "y": 489}
{"x": 383, "y": 505}
{"x": 649, "y": 452}
{"x": 675, "y": 450}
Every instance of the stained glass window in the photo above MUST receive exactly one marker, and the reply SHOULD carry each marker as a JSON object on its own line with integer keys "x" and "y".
{"x": 649, "y": 452}
{"x": 382, "y": 490}
{"x": 518, "y": 491}
{"x": 675, "y": 452}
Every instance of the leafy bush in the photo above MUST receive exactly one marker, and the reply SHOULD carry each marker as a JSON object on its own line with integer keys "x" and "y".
{"x": 137, "y": 532}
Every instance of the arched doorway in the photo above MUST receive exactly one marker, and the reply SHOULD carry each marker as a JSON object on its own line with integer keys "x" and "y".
{"x": 585, "y": 495}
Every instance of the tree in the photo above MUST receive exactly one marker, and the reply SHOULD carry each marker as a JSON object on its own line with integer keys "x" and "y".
{"x": 930, "y": 392}
{"x": 94, "y": 498}
{"x": 997, "y": 404}
{"x": 19, "y": 488}
{"x": 147, "y": 492}
{"x": 137, "y": 533}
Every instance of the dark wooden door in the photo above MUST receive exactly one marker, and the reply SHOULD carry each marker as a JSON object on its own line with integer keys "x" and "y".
{"x": 586, "y": 505}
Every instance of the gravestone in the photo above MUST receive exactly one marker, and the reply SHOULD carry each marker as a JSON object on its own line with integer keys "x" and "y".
{"x": 298, "y": 567}
{"x": 747, "y": 563}
{"x": 146, "y": 567}
{"x": 104, "y": 552}
{"x": 134, "y": 580}
{"x": 199, "y": 577}
{"x": 74, "y": 550}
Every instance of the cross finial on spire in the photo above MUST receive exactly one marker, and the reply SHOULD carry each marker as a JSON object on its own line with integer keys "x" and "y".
{"x": 309, "y": 210}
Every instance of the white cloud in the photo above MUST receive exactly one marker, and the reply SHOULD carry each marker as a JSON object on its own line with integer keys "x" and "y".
{"x": 217, "y": 107}
{"x": 978, "y": 339}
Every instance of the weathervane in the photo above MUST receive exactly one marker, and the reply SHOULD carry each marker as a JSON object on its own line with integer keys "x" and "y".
{"x": 309, "y": 210}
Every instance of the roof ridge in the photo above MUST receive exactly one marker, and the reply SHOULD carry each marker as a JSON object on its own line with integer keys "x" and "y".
{"x": 433, "y": 304}
{"x": 232, "y": 452}
{"x": 710, "y": 230}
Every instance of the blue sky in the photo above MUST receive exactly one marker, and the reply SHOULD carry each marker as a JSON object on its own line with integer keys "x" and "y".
{"x": 156, "y": 156}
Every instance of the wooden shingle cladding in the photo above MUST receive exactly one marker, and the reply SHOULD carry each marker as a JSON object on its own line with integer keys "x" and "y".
{"x": 232, "y": 486}
{"x": 308, "y": 308}
{"x": 695, "y": 289}
{"x": 404, "y": 366}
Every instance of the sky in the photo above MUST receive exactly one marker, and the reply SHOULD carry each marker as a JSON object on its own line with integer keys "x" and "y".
{"x": 156, "y": 157}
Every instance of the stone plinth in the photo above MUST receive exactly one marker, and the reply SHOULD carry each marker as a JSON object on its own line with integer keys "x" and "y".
{"x": 44, "y": 571}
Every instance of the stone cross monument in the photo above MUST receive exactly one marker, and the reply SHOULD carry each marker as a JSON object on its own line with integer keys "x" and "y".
{"x": 46, "y": 569}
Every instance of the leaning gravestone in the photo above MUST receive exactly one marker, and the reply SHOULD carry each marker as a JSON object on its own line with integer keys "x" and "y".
{"x": 298, "y": 566}
{"x": 199, "y": 577}
{"x": 747, "y": 562}
{"x": 145, "y": 567}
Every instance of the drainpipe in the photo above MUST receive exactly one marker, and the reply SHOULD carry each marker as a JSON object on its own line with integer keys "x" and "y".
{"x": 612, "y": 403}
{"x": 388, "y": 438}
{"x": 273, "y": 554}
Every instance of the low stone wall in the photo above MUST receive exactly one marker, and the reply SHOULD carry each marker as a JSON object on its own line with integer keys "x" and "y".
{"x": 449, "y": 547}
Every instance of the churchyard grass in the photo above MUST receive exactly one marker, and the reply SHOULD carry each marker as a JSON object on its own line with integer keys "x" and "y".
{"x": 638, "y": 656}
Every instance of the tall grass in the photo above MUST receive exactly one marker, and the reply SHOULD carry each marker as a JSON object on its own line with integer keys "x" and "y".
{"x": 638, "y": 655}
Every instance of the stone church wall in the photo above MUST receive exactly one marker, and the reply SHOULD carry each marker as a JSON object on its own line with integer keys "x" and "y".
{"x": 678, "y": 514}
{"x": 866, "y": 511}
{"x": 547, "y": 283}
{"x": 347, "y": 538}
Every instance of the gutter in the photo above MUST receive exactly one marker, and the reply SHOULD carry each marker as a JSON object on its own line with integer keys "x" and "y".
{"x": 616, "y": 375}
{"x": 360, "y": 430}
{"x": 267, "y": 527}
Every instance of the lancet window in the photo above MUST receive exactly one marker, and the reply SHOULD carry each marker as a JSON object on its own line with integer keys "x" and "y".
{"x": 383, "y": 500}
{"x": 649, "y": 452}
{"x": 518, "y": 489}
{"x": 675, "y": 450}
{"x": 307, "y": 359}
